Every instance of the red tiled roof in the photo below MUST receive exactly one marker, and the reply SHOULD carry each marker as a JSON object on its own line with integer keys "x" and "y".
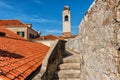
{"x": 47, "y": 37}
{"x": 19, "y": 57}
{"x": 10, "y": 22}
{"x": 52, "y": 37}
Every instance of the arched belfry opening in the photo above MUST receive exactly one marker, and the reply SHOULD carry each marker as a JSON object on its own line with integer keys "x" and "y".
{"x": 66, "y": 22}
{"x": 66, "y": 18}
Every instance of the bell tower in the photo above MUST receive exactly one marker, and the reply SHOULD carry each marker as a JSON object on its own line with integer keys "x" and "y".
{"x": 66, "y": 22}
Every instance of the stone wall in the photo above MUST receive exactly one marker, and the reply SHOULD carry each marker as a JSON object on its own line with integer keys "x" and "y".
{"x": 73, "y": 44}
{"x": 99, "y": 45}
{"x": 51, "y": 61}
{"x": 100, "y": 41}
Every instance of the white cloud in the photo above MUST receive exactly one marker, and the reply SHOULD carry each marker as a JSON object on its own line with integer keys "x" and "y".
{"x": 5, "y": 5}
{"x": 28, "y": 18}
{"x": 42, "y": 20}
{"x": 52, "y": 31}
{"x": 37, "y": 1}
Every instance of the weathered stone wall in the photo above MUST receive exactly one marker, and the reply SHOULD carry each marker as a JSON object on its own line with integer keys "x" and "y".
{"x": 51, "y": 61}
{"x": 73, "y": 44}
{"x": 100, "y": 41}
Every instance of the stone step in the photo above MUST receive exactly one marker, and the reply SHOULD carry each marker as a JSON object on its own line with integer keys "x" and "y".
{"x": 69, "y": 69}
{"x": 67, "y": 66}
{"x": 71, "y": 59}
{"x": 64, "y": 74}
{"x": 68, "y": 79}
{"x": 72, "y": 55}
{"x": 71, "y": 51}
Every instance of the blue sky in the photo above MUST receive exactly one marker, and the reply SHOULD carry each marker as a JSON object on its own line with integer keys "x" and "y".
{"x": 44, "y": 15}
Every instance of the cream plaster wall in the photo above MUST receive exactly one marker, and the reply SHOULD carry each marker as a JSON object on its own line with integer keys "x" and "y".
{"x": 16, "y": 29}
{"x": 26, "y": 30}
{"x": 66, "y": 24}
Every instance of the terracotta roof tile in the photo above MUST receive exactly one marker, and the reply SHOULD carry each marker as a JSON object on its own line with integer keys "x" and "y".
{"x": 19, "y": 57}
{"x": 52, "y": 37}
{"x": 4, "y": 78}
{"x": 47, "y": 37}
{"x": 12, "y": 23}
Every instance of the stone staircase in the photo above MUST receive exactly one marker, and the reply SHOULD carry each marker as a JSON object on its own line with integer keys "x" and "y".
{"x": 69, "y": 69}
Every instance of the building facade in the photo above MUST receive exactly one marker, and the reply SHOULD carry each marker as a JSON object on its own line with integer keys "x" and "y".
{"x": 66, "y": 22}
{"x": 24, "y": 30}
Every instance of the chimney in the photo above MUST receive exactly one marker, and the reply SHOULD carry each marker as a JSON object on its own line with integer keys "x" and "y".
{"x": 29, "y": 25}
{"x": 2, "y": 34}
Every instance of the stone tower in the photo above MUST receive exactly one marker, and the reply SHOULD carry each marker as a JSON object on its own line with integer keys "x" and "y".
{"x": 66, "y": 22}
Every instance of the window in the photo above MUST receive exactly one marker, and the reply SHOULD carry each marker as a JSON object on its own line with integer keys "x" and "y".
{"x": 21, "y": 33}
{"x": 66, "y": 18}
{"x": 31, "y": 36}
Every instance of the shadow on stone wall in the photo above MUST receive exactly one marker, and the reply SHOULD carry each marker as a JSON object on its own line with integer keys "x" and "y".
{"x": 52, "y": 60}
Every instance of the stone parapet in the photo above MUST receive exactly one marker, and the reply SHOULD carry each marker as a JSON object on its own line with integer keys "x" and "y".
{"x": 66, "y": 34}
{"x": 51, "y": 61}
{"x": 73, "y": 44}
